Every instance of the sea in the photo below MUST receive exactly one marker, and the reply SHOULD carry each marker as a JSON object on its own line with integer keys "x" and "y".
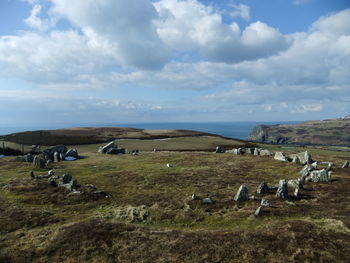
{"x": 236, "y": 129}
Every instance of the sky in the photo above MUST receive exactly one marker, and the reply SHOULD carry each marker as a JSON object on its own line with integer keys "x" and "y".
{"x": 120, "y": 61}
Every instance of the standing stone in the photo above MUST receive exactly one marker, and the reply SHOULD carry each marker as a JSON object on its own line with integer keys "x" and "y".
{"x": 49, "y": 152}
{"x": 239, "y": 151}
{"x": 256, "y": 151}
{"x": 346, "y": 165}
{"x": 242, "y": 194}
{"x": 305, "y": 171}
{"x": 38, "y": 162}
{"x": 295, "y": 183}
{"x": 108, "y": 146}
{"x": 56, "y": 157}
{"x": 319, "y": 176}
{"x": 72, "y": 153}
{"x": 218, "y": 149}
{"x": 282, "y": 191}
{"x": 280, "y": 156}
{"x": 250, "y": 150}
{"x": 66, "y": 178}
{"x": 304, "y": 157}
{"x": 296, "y": 192}
{"x": 265, "y": 152}
{"x": 258, "y": 211}
{"x": 263, "y": 188}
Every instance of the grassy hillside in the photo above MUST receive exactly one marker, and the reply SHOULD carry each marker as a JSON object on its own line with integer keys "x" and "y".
{"x": 40, "y": 223}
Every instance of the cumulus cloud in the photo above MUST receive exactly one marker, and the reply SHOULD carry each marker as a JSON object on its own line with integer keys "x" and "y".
{"x": 192, "y": 25}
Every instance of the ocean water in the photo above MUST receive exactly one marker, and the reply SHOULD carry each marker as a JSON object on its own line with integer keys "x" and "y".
{"x": 238, "y": 130}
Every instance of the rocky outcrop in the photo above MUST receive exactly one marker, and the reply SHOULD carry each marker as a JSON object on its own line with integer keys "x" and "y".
{"x": 323, "y": 132}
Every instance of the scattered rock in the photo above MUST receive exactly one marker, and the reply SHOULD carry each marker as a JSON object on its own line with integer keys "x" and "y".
{"x": 280, "y": 156}
{"x": 282, "y": 191}
{"x": 263, "y": 188}
{"x": 345, "y": 165}
{"x": 169, "y": 165}
{"x": 242, "y": 194}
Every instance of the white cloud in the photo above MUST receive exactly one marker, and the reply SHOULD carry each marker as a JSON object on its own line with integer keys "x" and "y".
{"x": 187, "y": 25}
{"x": 307, "y": 108}
{"x": 36, "y": 22}
{"x": 240, "y": 10}
{"x": 127, "y": 25}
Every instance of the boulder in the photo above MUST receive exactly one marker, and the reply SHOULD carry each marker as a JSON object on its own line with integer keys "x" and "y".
{"x": 304, "y": 157}
{"x": 282, "y": 191}
{"x": 280, "y": 156}
{"x": 296, "y": 192}
{"x": 66, "y": 178}
{"x": 265, "y": 152}
{"x": 72, "y": 153}
{"x": 38, "y": 161}
{"x": 319, "y": 176}
{"x": 218, "y": 149}
{"x": 263, "y": 188}
{"x": 115, "y": 150}
{"x": 314, "y": 165}
{"x": 50, "y": 173}
{"x": 249, "y": 151}
{"x": 258, "y": 211}
{"x": 104, "y": 149}
{"x": 49, "y": 152}
{"x": 256, "y": 151}
{"x": 305, "y": 171}
{"x": 242, "y": 194}
{"x": 56, "y": 157}
{"x": 345, "y": 165}
{"x": 295, "y": 183}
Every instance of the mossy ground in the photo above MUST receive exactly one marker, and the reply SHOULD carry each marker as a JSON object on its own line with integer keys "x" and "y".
{"x": 40, "y": 223}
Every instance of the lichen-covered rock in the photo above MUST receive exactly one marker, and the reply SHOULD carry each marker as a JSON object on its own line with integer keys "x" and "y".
{"x": 306, "y": 171}
{"x": 263, "y": 188}
{"x": 319, "y": 176}
{"x": 295, "y": 183}
{"x": 265, "y": 152}
{"x": 282, "y": 191}
{"x": 242, "y": 194}
{"x": 280, "y": 156}
{"x": 304, "y": 157}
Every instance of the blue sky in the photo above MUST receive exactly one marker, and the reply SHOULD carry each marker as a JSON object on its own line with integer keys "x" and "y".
{"x": 106, "y": 61}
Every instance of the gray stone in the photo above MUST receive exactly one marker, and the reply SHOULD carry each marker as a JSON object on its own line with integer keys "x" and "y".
{"x": 263, "y": 188}
{"x": 218, "y": 149}
{"x": 50, "y": 173}
{"x": 319, "y": 176}
{"x": 264, "y": 202}
{"x": 295, "y": 183}
{"x": 108, "y": 146}
{"x": 282, "y": 191}
{"x": 49, "y": 152}
{"x": 242, "y": 194}
{"x": 265, "y": 152}
{"x": 256, "y": 151}
{"x": 207, "y": 201}
{"x": 305, "y": 171}
{"x": 38, "y": 162}
{"x": 115, "y": 151}
{"x": 304, "y": 157}
{"x": 258, "y": 211}
{"x": 29, "y": 158}
{"x": 56, "y": 157}
{"x": 296, "y": 192}
{"x": 345, "y": 165}
{"x": 72, "y": 153}
{"x": 250, "y": 151}
{"x": 280, "y": 156}
{"x": 314, "y": 165}
{"x": 66, "y": 178}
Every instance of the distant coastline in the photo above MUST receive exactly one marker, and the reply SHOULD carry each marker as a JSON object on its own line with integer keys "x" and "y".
{"x": 238, "y": 129}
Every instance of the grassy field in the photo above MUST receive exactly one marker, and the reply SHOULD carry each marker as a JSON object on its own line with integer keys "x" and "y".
{"x": 40, "y": 223}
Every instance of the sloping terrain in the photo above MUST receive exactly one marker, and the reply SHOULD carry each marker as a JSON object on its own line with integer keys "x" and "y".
{"x": 325, "y": 132}
{"x": 41, "y": 223}
{"x": 78, "y": 136}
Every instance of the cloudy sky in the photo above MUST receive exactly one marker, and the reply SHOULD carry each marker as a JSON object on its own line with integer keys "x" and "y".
{"x": 88, "y": 61}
